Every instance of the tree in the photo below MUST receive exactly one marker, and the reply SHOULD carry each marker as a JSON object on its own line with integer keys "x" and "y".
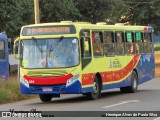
{"x": 109, "y": 11}
{"x": 14, "y": 14}
{"x": 144, "y": 13}
{"x": 58, "y": 10}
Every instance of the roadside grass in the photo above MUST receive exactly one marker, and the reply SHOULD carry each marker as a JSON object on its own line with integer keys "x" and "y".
{"x": 157, "y": 49}
{"x": 10, "y": 91}
{"x": 157, "y": 52}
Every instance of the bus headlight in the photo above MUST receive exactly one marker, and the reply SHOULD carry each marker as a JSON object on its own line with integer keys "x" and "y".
{"x": 24, "y": 81}
{"x": 72, "y": 79}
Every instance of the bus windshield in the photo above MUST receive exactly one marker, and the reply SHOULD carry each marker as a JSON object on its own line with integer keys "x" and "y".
{"x": 49, "y": 53}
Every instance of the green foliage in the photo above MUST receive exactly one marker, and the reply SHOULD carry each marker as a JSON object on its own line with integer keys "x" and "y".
{"x": 16, "y": 13}
{"x": 144, "y": 13}
{"x": 109, "y": 11}
{"x": 58, "y": 10}
{"x": 157, "y": 48}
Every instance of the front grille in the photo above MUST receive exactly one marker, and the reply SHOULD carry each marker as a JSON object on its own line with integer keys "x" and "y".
{"x": 55, "y": 88}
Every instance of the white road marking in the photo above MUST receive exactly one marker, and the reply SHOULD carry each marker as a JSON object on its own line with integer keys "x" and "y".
{"x": 121, "y": 103}
{"x": 157, "y": 118}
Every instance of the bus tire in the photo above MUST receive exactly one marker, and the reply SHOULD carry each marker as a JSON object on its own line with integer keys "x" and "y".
{"x": 134, "y": 84}
{"x": 96, "y": 93}
{"x": 45, "y": 97}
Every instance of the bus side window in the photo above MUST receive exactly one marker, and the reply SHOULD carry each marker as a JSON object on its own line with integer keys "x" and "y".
{"x": 120, "y": 43}
{"x": 139, "y": 43}
{"x": 130, "y": 48}
{"x": 2, "y": 50}
{"x": 109, "y": 46}
{"x": 97, "y": 44}
{"x": 147, "y": 43}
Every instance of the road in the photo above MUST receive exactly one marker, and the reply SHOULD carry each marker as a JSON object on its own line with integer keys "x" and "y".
{"x": 147, "y": 98}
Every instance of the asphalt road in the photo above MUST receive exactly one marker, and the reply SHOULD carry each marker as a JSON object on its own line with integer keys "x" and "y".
{"x": 147, "y": 98}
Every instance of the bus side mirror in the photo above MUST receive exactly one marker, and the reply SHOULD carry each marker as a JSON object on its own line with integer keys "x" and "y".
{"x": 16, "y": 49}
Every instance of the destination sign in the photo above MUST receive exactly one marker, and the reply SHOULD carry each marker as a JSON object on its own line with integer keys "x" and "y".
{"x": 48, "y": 30}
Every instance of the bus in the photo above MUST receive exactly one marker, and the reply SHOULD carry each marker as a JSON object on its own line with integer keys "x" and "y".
{"x": 4, "y": 61}
{"x": 83, "y": 58}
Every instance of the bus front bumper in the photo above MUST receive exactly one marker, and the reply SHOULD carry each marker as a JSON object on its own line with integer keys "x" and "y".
{"x": 74, "y": 88}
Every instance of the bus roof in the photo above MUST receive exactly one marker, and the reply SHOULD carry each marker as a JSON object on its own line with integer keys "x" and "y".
{"x": 98, "y": 26}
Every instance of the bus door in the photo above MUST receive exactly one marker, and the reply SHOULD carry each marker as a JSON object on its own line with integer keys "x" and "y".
{"x": 85, "y": 48}
{"x": 4, "y": 64}
{"x": 86, "y": 57}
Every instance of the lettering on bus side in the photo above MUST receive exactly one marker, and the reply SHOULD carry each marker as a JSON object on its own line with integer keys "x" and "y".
{"x": 115, "y": 64}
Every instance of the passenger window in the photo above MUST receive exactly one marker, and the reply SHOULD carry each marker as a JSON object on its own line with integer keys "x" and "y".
{"x": 139, "y": 43}
{"x": 109, "y": 45}
{"x": 130, "y": 48}
{"x": 120, "y": 43}
{"x": 2, "y": 50}
{"x": 97, "y": 40}
{"x": 147, "y": 43}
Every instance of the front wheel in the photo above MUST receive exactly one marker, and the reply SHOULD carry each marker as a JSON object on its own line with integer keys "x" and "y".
{"x": 134, "y": 84}
{"x": 96, "y": 93}
{"x": 45, "y": 97}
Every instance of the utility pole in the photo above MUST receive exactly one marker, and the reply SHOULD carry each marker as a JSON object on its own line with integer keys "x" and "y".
{"x": 36, "y": 11}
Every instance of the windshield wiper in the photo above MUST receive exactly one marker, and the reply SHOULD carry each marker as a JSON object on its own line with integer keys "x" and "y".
{"x": 60, "y": 39}
{"x": 51, "y": 48}
{"x": 36, "y": 42}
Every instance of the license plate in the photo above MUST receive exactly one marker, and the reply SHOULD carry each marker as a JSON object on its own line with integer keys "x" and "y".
{"x": 47, "y": 89}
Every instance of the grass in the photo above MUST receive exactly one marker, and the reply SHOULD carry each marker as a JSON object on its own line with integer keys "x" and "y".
{"x": 156, "y": 52}
{"x": 10, "y": 91}
{"x": 157, "y": 49}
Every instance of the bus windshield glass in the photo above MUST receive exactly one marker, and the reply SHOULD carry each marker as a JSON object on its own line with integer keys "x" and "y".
{"x": 50, "y": 53}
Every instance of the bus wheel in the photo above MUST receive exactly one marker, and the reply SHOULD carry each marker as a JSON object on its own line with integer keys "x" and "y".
{"x": 96, "y": 93}
{"x": 45, "y": 97}
{"x": 134, "y": 84}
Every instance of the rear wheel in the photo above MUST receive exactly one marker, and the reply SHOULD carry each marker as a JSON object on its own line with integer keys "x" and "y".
{"x": 45, "y": 97}
{"x": 134, "y": 84}
{"x": 96, "y": 93}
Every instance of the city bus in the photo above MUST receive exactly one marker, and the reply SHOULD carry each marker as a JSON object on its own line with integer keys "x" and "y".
{"x": 83, "y": 58}
{"x": 4, "y": 61}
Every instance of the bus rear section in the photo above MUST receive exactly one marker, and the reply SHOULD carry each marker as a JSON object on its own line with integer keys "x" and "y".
{"x": 4, "y": 63}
